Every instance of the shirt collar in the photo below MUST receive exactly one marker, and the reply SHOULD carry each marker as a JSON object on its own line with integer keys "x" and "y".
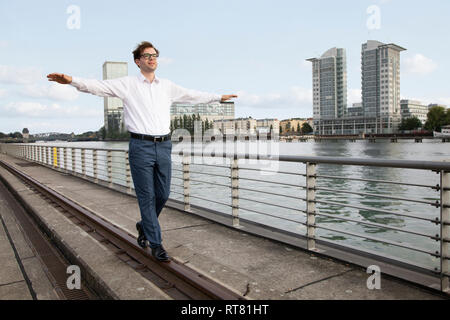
{"x": 143, "y": 79}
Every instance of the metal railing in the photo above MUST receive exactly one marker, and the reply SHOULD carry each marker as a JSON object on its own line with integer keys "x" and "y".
{"x": 308, "y": 202}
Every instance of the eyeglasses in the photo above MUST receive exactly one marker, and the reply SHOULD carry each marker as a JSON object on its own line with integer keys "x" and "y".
{"x": 148, "y": 56}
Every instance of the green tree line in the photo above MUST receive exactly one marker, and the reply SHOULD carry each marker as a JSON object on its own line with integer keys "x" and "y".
{"x": 188, "y": 121}
{"x": 437, "y": 117}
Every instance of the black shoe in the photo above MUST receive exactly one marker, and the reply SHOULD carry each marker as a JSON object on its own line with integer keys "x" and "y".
{"x": 160, "y": 254}
{"x": 141, "y": 239}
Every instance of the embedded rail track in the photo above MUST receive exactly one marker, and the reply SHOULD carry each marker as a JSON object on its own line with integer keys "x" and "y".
{"x": 174, "y": 278}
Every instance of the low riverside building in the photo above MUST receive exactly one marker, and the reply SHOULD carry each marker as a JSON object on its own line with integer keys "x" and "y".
{"x": 207, "y": 111}
{"x": 413, "y": 108}
{"x": 247, "y": 125}
{"x": 292, "y": 125}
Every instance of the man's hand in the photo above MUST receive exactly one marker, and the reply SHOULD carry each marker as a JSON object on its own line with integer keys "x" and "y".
{"x": 226, "y": 97}
{"x": 60, "y": 78}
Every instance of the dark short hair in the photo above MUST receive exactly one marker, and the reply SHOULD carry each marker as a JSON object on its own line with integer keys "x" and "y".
{"x": 141, "y": 47}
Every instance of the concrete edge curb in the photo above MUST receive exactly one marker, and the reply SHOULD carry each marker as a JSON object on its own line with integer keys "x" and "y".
{"x": 93, "y": 280}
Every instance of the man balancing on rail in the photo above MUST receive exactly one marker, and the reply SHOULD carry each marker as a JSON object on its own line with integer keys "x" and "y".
{"x": 147, "y": 100}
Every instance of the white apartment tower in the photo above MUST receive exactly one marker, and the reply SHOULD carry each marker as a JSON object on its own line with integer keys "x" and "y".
{"x": 329, "y": 88}
{"x": 380, "y": 79}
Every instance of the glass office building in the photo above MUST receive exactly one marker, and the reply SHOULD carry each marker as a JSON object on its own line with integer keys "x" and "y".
{"x": 113, "y": 107}
{"x": 210, "y": 111}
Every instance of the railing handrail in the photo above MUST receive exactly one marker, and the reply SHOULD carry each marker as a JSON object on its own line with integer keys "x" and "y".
{"x": 406, "y": 164}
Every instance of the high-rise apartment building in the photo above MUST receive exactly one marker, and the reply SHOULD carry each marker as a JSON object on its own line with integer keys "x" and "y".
{"x": 380, "y": 80}
{"x": 329, "y": 87}
{"x": 113, "y": 107}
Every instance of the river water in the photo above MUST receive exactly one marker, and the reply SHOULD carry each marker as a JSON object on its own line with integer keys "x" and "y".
{"x": 287, "y": 205}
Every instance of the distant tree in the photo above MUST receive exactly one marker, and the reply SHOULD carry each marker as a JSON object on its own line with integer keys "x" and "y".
{"x": 410, "y": 124}
{"x": 299, "y": 130}
{"x": 25, "y": 130}
{"x": 102, "y": 132}
{"x": 306, "y": 128}
{"x": 2, "y": 135}
{"x": 16, "y": 135}
{"x": 436, "y": 118}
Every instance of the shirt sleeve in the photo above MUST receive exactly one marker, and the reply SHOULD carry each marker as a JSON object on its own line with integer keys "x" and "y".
{"x": 183, "y": 95}
{"x": 104, "y": 88}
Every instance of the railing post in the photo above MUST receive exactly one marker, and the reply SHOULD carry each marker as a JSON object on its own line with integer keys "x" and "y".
{"x": 186, "y": 184}
{"x": 55, "y": 157}
{"x": 128, "y": 171}
{"x": 235, "y": 191}
{"x": 83, "y": 162}
{"x": 47, "y": 155}
{"x": 73, "y": 161}
{"x": 445, "y": 231}
{"x": 94, "y": 159}
{"x": 310, "y": 204}
{"x": 110, "y": 168}
{"x": 58, "y": 158}
{"x": 65, "y": 158}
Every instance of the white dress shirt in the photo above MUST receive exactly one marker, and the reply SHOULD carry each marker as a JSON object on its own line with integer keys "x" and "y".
{"x": 146, "y": 106}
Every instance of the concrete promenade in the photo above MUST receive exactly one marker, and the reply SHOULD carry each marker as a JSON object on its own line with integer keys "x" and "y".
{"x": 251, "y": 265}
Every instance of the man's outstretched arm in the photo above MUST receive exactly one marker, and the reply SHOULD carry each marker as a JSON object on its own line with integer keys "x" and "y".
{"x": 183, "y": 95}
{"x": 226, "y": 97}
{"x": 104, "y": 88}
{"x": 60, "y": 78}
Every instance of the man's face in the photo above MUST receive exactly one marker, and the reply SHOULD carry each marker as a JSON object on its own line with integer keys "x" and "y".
{"x": 145, "y": 64}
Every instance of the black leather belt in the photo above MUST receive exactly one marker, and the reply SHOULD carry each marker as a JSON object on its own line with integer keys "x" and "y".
{"x": 149, "y": 137}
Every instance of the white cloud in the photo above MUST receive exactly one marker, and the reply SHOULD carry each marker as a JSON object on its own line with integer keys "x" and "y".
{"x": 297, "y": 98}
{"x": 306, "y": 65}
{"x": 419, "y": 64}
{"x": 3, "y": 93}
{"x": 353, "y": 96}
{"x": 54, "y": 91}
{"x": 19, "y": 75}
{"x": 445, "y": 101}
{"x": 38, "y": 110}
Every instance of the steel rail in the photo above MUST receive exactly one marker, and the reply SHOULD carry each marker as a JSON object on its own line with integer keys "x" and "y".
{"x": 210, "y": 174}
{"x": 378, "y": 181}
{"x": 274, "y": 182}
{"x": 377, "y": 225}
{"x": 404, "y": 164}
{"x": 378, "y": 240}
{"x": 283, "y": 172}
{"x": 205, "y": 199}
{"x": 272, "y": 193}
{"x": 182, "y": 277}
{"x": 209, "y": 182}
{"x": 272, "y": 204}
{"x": 375, "y": 210}
{"x": 377, "y": 196}
{"x": 273, "y": 216}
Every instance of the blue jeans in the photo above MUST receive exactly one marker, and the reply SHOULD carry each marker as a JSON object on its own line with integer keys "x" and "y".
{"x": 151, "y": 166}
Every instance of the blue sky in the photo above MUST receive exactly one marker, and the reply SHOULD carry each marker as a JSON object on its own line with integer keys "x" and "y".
{"x": 255, "y": 48}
